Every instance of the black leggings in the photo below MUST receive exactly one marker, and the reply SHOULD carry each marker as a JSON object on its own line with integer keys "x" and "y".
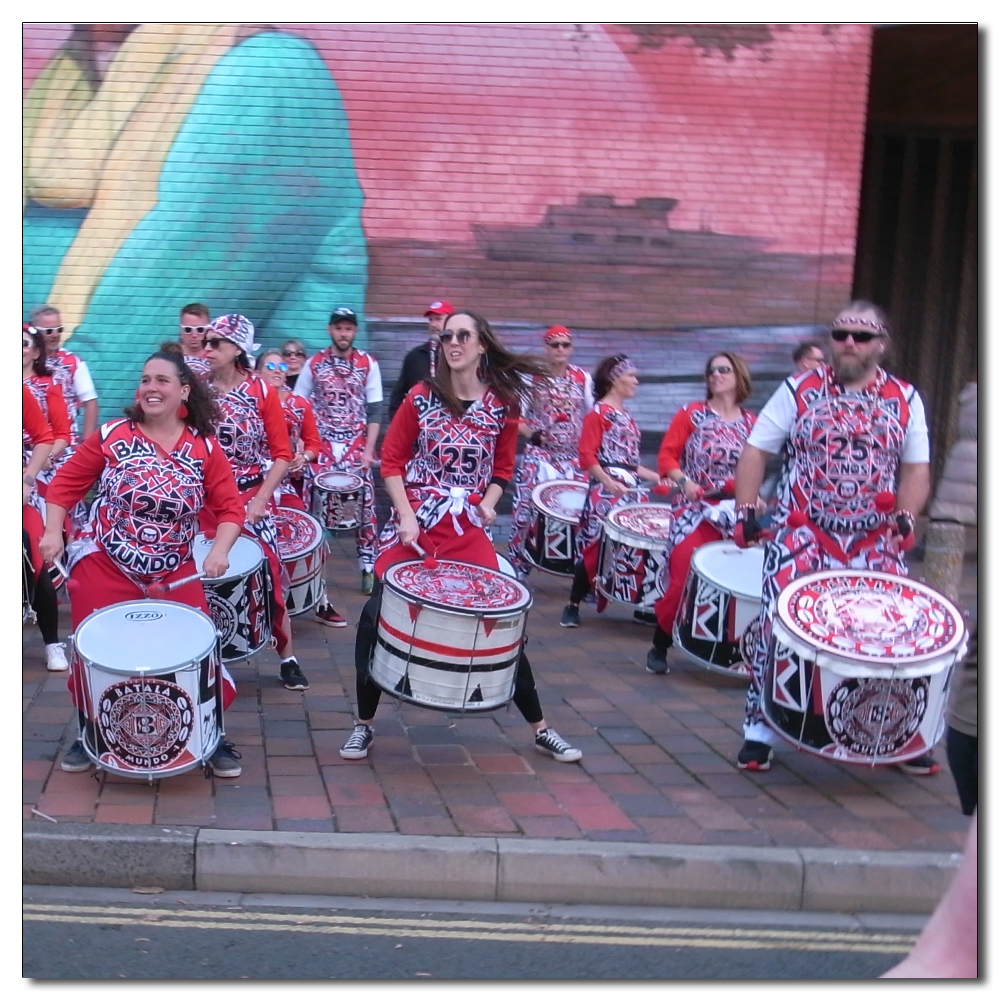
{"x": 369, "y": 693}
{"x": 43, "y": 600}
{"x": 963, "y": 759}
{"x": 581, "y": 584}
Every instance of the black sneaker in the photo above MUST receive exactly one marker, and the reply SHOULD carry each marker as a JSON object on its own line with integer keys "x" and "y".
{"x": 656, "y": 663}
{"x": 356, "y": 747}
{"x": 923, "y": 766}
{"x": 225, "y": 762}
{"x": 292, "y": 676}
{"x": 754, "y": 756}
{"x": 75, "y": 758}
{"x": 570, "y": 617}
{"x": 550, "y": 742}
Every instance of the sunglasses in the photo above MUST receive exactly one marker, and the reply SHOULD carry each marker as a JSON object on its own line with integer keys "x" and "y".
{"x": 293, "y": 354}
{"x": 560, "y": 343}
{"x": 720, "y": 370}
{"x": 50, "y": 329}
{"x": 276, "y": 366}
{"x": 858, "y": 336}
{"x": 462, "y": 337}
{"x": 194, "y": 329}
{"x": 214, "y": 342}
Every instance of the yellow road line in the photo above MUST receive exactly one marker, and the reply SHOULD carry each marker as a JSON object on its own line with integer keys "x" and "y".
{"x": 679, "y": 937}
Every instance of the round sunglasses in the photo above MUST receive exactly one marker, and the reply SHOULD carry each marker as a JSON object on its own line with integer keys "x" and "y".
{"x": 276, "y": 366}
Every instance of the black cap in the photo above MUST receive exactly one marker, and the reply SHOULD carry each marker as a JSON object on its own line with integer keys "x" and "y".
{"x": 344, "y": 313}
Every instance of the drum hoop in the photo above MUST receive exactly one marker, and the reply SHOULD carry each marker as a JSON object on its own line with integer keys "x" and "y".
{"x": 320, "y": 537}
{"x": 846, "y": 665}
{"x": 231, "y": 576}
{"x": 511, "y": 612}
{"x": 548, "y": 484}
{"x": 626, "y": 534}
{"x": 703, "y": 551}
{"x": 145, "y": 671}
{"x": 321, "y": 476}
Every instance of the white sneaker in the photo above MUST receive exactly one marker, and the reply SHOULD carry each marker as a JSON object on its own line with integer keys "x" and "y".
{"x": 55, "y": 656}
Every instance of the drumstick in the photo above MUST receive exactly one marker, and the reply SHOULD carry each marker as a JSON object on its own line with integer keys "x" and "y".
{"x": 71, "y": 585}
{"x": 157, "y": 590}
{"x": 429, "y": 561}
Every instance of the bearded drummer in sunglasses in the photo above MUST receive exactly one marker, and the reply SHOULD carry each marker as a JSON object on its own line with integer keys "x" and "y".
{"x": 155, "y": 470}
{"x": 446, "y": 460}
{"x": 851, "y": 432}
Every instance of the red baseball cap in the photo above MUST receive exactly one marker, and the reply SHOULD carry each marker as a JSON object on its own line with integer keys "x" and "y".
{"x": 440, "y": 308}
{"x": 556, "y": 331}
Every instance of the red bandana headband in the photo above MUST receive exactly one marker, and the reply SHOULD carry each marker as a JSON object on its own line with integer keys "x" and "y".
{"x": 554, "y": 332}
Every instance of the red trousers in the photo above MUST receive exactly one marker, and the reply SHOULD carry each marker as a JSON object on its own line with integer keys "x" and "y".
{"x": 680, "y": 562}
{"x": 444, "y": 542}
{"x": 99, "y": 583}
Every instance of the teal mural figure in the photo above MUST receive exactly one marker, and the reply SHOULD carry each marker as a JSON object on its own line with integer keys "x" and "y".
{"x": 167, "y": 164}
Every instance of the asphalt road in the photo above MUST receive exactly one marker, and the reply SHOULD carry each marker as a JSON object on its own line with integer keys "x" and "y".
{"x": 112, "y": 934}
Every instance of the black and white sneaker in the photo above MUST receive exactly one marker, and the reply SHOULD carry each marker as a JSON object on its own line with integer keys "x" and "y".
{"x": 356, "y": 747}
{"x": 225, "y": 762}
{"x": 75, "y": 758}
{"x": 754, "y": 756}
{"x": 292, "y": 676}
{"x": 570, "y": 617}
{"x": 550, "y": 742}
{"x": 656, "y": 663}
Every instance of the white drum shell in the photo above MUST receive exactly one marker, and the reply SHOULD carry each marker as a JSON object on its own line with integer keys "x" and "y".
{"x": 304, "y": 568}
{"x": 148, "y": 717}
{"x": 336, "y": 500}
{"x": 632, "y": 568}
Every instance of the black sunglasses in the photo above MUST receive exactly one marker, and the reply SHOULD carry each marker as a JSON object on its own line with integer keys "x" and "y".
{"x": 50, "y": 329}
{"x": 462, "y": 337}
{"x": 560, "y": 343}
{"x": 213, "y": 342}
{"x": 293, "y": 354}
{"x": 194, "y": 329}
{"x": 859, "y": 336}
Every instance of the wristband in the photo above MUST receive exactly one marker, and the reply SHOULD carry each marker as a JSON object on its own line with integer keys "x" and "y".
{"x": 680, "y": 482}
{"x": 29, "y": 479}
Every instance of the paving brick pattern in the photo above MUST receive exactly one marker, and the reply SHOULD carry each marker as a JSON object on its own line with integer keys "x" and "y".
{"x": 658, "y": 762}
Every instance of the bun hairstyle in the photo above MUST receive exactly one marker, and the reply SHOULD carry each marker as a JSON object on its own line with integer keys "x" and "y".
{"x": 203, "y": 413}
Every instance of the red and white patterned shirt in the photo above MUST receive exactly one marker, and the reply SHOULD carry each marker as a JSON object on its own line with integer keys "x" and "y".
{"x": 557, "y": 408}
{"x": 703, "y": 446}
{"x": 73, "y": 377}
{"x": 609, "y": 437}
{"x": 49, "y": 397}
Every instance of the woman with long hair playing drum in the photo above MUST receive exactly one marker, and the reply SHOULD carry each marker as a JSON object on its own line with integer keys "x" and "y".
{"x": 252, "y": 433}
{"x": 699, "y": 453}
{"x": 154, "y": 470}
{"x": 446, "y": 460}
{"x": 609, "y": 454}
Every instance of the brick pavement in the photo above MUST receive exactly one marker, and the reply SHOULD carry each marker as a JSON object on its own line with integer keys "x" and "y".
{"x": 657, "y": 766}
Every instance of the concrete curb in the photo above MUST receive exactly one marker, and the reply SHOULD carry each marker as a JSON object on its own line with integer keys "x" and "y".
{"x": 485, "y": 868}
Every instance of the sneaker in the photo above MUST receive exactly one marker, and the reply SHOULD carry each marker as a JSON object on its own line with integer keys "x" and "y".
{"x": 754, "y": 756}
{"x": 225, "y": 762}
{"x": 549, "y": 741}
{"x": 923, "y": 766}
{"x": 55, "y": 656}
{"x": 75, "y": 758}
{"x": 644, "y": 617}
{"x": 367, "y": 582}
{"x": 325, "y": 615}
{"x": 656, "y": 663}
{"x": 292, "y": 676}
{"x": 570, "y": 617}
{"x": 356, "y": 747}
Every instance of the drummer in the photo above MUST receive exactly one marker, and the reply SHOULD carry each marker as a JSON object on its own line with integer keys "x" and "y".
{"x": 552, "y": 422}
{"x": 468, "y": 408}
{"x": 154, "y": 471}
{"x": 698, "y": 455}
{"x": 254, "y": 438}
{"x": 851, "y": 431}
{"x": 609, "y": 454}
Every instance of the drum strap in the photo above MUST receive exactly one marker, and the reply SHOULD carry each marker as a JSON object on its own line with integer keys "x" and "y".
{"x": 244, "y": 483}
{"x": 835, "y": 550}
{"x": 443, "y": 502}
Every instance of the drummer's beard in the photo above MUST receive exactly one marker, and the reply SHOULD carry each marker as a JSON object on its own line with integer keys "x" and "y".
{"x": 854, "y": 369}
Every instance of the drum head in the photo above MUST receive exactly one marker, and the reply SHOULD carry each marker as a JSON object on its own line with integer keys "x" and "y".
{"x": 145, "y": 637}
{"x": 459, "y": 586}
{"x": 732, "y": 569}
{"x": 649, "y": 523}
{"x": 338, "y": 482}
{"x": 299, "y": 533}
{"x": 869, "y": 618}
{"x": 562, "y": 499}
{"x": 245, "y": 556}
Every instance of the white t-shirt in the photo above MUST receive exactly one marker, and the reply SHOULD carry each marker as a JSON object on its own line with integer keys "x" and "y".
{"x": 83, "y": 383}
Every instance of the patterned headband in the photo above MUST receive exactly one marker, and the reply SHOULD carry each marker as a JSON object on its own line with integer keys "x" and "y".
{"x": 623, "y": 366}
{"x": 554, "y": 332}
{"x": 872, "y": 324}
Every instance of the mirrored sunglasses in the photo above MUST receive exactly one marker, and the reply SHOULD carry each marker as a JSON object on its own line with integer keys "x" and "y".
{"x": 276, "y": 366}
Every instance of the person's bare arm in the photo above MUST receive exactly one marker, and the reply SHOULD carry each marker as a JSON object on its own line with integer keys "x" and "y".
{"x": 750, "y": 474}
{"x": 89, "y": 417}
{"x": 914, "y": 487}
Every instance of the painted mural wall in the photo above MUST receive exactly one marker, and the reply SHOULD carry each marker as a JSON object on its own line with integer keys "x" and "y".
{"x": 652, "y": 180}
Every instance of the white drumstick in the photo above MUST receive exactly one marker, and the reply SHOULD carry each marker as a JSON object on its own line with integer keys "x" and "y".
{"x": 159, "y": 589}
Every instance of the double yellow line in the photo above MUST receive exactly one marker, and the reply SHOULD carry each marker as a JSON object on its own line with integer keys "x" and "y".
{"x": 533, "y": 930}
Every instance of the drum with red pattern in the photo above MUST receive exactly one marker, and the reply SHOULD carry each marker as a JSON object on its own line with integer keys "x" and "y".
{"x": 632, "y": 562}
{"x": 450, "y": 635}
{"x": 336, "y": 500}
{"x": 152, "y": 688}
{"x": 859, "y": 665}
{"x": 556, "y": 506}
{"x": 302, "y": 549}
